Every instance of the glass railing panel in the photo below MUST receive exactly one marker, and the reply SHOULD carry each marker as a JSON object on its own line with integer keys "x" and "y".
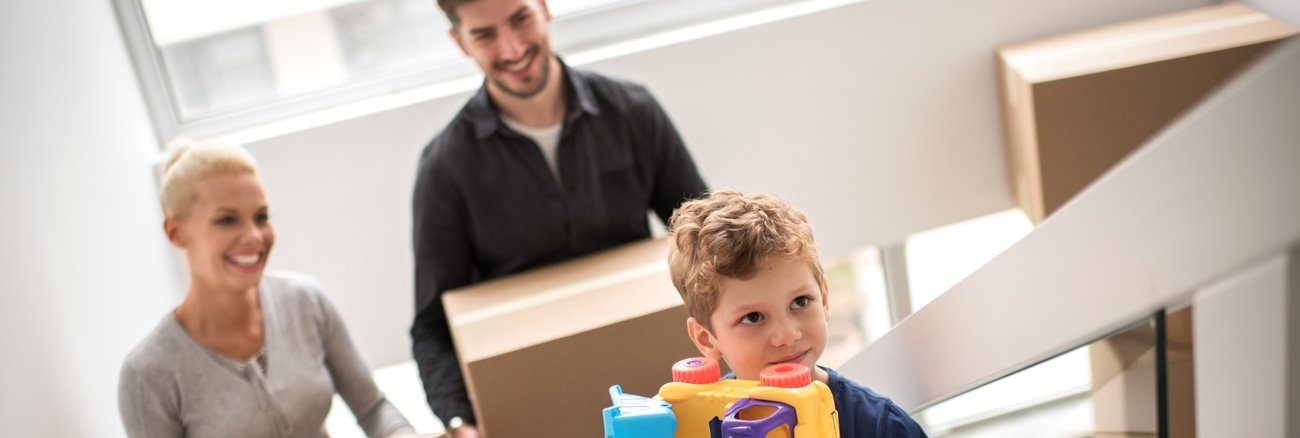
{"x": 1107, "y": 388}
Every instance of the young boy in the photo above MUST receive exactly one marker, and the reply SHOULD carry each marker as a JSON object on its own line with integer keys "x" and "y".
{"x": 749, "y": 272}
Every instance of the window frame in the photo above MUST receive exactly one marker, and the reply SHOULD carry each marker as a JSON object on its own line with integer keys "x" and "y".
{"x": 572, "y": 35}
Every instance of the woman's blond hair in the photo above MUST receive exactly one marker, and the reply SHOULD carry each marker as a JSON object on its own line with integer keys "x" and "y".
{"x": 189, "y": 162}
{"x": 730, "y": 234}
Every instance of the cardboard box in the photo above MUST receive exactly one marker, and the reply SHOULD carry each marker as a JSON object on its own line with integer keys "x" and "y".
{"x": 1075, "y": 105}
{"x": 540, "y": 349}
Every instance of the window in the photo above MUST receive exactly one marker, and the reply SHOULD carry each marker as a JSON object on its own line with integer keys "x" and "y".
{"x": 939, "y": 258}
{"x": 212, "y": 67}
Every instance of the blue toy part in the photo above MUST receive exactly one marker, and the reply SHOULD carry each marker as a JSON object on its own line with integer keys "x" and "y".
{"x": 634, "y": 416}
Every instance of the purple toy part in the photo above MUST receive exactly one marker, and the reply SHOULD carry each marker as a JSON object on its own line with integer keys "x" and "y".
{"x": 734, "y": 427}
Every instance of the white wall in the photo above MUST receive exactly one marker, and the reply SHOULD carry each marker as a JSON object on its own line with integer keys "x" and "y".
{"x": 85, "y": 269}
{"x": 878, "y": 119}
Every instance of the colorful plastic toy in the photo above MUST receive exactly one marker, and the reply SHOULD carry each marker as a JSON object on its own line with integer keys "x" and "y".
{"x": 784, "y": 402}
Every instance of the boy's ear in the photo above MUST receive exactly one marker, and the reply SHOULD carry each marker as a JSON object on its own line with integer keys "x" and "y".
{"x": 703, "y": 339}
{"x": 826, "y": 295}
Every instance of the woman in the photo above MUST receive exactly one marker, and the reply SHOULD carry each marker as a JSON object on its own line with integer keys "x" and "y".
{"x": 245, "y": 354}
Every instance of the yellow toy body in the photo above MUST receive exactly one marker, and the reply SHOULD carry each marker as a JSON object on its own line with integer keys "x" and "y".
{"x": 696, "y": 405}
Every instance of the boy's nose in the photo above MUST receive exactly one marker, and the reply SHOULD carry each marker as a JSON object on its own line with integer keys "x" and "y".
{"x": 785, "y": 332}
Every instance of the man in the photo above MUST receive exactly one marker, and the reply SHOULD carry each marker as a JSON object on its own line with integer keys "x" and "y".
{"x": 544, "y": 163}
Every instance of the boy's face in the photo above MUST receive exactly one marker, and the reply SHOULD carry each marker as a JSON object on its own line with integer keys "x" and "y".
{"x": 778, "y": 315}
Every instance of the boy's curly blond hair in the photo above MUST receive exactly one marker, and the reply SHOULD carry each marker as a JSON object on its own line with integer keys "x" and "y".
{"x": 730, "y": 234}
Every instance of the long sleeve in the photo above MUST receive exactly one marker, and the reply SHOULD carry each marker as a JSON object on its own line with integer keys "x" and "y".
{"x": 443, "y": 255}
{"x": 353, "y": 380}
{"x": 147, "y": 405}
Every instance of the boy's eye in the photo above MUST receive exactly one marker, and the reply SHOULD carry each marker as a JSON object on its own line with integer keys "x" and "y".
{"x": 751, "y": 318}
{"x": 224, "y": 220}
{"x": 262, "y": 218}
{"x": 800, "y": 302}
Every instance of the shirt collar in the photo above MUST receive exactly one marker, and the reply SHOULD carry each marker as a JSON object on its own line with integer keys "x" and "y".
{"x": 487, "y": 119}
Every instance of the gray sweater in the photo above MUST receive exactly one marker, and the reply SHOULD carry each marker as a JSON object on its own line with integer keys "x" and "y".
{"x": 171, "y": 386}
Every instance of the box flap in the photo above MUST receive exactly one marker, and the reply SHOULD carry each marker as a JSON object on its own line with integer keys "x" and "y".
{"x": 564, "y": 299}
{"x": 1144, "y": 41}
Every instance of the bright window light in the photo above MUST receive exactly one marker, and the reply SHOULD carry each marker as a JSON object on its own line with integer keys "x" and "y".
{"x": 212, "y": 68}
{"x": 939, "y": 258}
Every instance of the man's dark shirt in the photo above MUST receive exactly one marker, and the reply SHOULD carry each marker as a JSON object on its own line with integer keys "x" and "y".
{"x": 487, "y": 205}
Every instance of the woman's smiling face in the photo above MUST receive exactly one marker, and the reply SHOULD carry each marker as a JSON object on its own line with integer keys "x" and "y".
{"x": 227, "y": 234}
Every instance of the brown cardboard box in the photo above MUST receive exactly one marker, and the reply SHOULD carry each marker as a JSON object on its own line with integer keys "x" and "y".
{"x": 1077, "y": 104}
{"x": 540, "y": 349}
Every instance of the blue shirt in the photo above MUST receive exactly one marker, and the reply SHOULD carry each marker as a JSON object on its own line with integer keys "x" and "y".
{"x": 866, "y": 414}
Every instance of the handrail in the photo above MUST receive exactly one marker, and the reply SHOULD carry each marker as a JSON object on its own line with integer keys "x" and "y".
{"x": 1217, "y": 189}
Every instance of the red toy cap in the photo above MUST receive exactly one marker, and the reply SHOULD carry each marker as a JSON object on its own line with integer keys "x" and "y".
{"x": 785, "y": 375}
{"x": 697, "y": 370}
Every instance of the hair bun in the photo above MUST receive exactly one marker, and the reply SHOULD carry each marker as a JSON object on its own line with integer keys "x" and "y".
{"x": 175, "y": 150}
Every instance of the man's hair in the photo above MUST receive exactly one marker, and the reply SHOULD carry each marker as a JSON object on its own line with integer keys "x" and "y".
{"x": 728, "y": 234}
{"x": 449, "y": 9}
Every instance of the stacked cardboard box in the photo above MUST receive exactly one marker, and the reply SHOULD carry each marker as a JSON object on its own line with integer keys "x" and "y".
{"x": 540, "y": 349}
{"x": 1077, "y": 104}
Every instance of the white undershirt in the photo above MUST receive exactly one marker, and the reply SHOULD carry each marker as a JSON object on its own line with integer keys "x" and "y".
{"x": 547, "y": 139}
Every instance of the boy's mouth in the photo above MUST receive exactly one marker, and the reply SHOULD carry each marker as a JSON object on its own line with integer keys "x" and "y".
{"x": 797, "y": 358}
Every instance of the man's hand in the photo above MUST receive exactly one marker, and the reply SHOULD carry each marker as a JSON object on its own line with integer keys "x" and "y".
{"x": 466, "y": 431}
